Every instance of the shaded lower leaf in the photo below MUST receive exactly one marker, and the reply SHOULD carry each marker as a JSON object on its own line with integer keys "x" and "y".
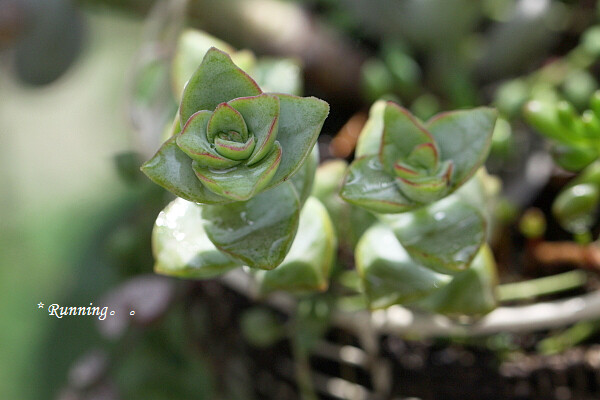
{"x": 367, "y": 185}
{"x": 350, "y": 222}
{"x": 308, "y": 263}
{"x": 388, "y": 274}
{"x": 444, "y": 236}
{"x": 182, "y": 248}
{"x": 257, "y": 232}
{"x": 172, "y": 169}
{"x": 471, "y": 292}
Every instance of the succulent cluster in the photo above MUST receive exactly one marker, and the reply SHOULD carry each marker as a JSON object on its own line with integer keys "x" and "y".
{"x": 240, "y": 160}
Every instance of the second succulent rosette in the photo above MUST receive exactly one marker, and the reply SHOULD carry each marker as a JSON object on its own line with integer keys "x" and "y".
{"x": 403, "y": 164}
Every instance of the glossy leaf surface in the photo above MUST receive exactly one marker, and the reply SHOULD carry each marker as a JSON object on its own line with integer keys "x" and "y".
{"x": 258, "y": 232}
{"x": 182, "y": 248}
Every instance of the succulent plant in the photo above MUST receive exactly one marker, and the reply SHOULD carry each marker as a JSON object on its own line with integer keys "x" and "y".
{"x": 245, "y": 157}
{"x": 235, "y": 141}
{"x": 402, "y": 164}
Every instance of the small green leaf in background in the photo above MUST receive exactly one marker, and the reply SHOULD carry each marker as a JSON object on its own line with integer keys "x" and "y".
{"x": 261, "y": 327}
{"x": 308, "y": 264}
{"x": 182, "y": 248}
{"x": 257, "y": 232}
{"x": 388, "y": 274}
{"x": 191, "y": 48}
{"x": 444, "y": 236}
{"x": 576, "y": 207}
{"x": 471, "y": 292}
{"x": 278, "y": 75}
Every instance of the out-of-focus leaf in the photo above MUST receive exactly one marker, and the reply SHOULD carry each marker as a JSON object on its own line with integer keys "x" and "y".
{"x": 278, "y": 75}
{"x": 576, "y": 207}
{"x": 182, "y": 248}
{"x": 350, "y": 222}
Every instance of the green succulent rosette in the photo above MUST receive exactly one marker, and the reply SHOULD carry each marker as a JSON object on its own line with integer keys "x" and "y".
{"x": 402, "y": 163}
{"x": 234, "y": 141}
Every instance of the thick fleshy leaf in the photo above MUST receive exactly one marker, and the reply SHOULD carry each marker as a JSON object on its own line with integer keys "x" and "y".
{"x": 181, "y": 247}
{"x": 226, "y": 119}
{"x": 308, "y": 264}
{"x": 304, "y": 178}
{"x": 472, "y": 292}
{"x": 172, "y": 169}
{"x": 240, "y": 182}
{"x": 216, "y": 81}
{"x": 261, "y": 114}
{"x": 191, "y": 49}
{"x": 389, "y": 275}
{"x": 367, "y": 185}
{"x": 444, "y": 236}
{"x": 234, "y": 150}
{"x": 300, "y": 122}
{"x": 192, "y": 141}
{"x": 369, "y": 140}
{"x": 258, "y": 232}
{"x": 402, "y": 133}
{"x": 464, "y": 137}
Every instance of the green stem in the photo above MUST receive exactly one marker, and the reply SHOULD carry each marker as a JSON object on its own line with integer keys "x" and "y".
{"x": 541, "y": 286}
{"x": 303, "y": 376}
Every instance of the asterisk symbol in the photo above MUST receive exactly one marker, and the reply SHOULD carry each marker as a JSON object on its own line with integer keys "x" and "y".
{"x": 40, "y": 305}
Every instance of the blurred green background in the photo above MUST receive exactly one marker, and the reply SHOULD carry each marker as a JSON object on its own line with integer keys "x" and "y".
{"x": 59, "y": 186}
